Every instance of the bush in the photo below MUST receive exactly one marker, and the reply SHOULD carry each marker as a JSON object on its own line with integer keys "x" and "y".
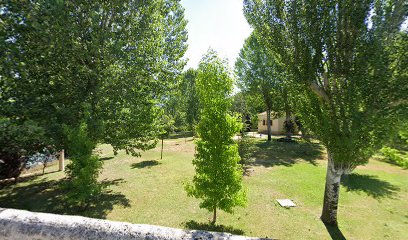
{"x": 84, "y": 168}
{"x": 245, "y": 149}
{"x": 18, "y": 141}
{"x": 392, "y": 155}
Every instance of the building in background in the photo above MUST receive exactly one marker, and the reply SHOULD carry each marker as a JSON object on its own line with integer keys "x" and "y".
{"x": 277, "y": 124}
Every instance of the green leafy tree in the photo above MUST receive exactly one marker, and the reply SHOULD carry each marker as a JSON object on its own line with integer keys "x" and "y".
{"x": 66, "y": 61}
{"x": 340, "y": 55}
{"x": 183, "y": 103}
{"x": 218, "y": 179}
{"x": 106, "y": 64}
{"x": 18, "y": 141}
{"x": 168, "y": 128}
{"x": 258, "y": 74}
{"x": 174, "y": 50}
{"x": 192, "y": 99}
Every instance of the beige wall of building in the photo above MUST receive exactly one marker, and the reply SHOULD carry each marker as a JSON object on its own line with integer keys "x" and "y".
{"x": 277, "y": 126}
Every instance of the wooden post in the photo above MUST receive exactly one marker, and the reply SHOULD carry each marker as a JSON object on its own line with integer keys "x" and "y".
{"x": 161, "y": 153}
{"x": 61, "y": 160}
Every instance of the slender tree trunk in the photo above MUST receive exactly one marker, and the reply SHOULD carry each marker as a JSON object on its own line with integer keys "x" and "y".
{"x": 268, "y": 119}
{"x": 214, "y": 216}
{"x": 288, "y": 115}
{"x": 288, "y": 121}
{"x": 331, "y": 193}
{"x": 161, "y": 152}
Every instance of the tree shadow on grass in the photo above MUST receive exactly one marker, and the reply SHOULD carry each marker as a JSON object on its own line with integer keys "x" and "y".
{"x": 335, "y": 232}
{"x": 193, "y": 225}
{"x": 145, "y": 164}
{"x": 25, "y": 176}
{"x": 46, "y": 196}
{"x": 274, "y": 153}
{"x": 106, "y": 158}
{"x": 369, "y": 184}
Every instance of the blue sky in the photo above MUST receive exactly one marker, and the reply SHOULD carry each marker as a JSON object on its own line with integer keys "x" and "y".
{"x": 219, "y": 24}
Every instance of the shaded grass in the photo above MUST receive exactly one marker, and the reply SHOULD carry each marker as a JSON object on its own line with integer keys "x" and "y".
{"x": 335, "y": 232}
{"x": 370, "y": 184}
{"x": 212, "y": 227}
{"x": 372, "y": 201}
{"x": 145, "y": 164}
{"x": 45, "y": 195}
{"x": 274, "y": 153}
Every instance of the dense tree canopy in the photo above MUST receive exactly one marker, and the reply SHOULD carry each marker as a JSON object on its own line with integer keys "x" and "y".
{"x": 107, "y": 63}
{"x": 90, "y": 72}
{"x": 182, "y": 104}
{"x": 341, "y": 55}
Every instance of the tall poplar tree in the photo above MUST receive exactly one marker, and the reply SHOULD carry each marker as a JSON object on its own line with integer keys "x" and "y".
{"x": 340, "y": 53}
{"x": 258, "y": 73}
{"x": 218, "y": 179}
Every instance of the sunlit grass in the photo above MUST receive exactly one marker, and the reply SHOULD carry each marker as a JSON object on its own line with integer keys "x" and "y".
{"x": 373, "y": 200}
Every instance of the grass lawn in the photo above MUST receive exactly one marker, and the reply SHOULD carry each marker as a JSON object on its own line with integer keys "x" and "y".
{"x": 373, "y": 200}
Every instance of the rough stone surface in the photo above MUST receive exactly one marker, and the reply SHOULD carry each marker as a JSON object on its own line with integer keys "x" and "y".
{"x": 22, "y": 225}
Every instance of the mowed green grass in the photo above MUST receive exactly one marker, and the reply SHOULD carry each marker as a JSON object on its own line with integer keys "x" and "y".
{"x": 373, "y": 200}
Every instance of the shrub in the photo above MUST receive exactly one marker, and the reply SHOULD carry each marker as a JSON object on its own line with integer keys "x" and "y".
{"x": 392, "y": 155}
{"x": 245, "y": 149}
{"x": 84, "y": 168}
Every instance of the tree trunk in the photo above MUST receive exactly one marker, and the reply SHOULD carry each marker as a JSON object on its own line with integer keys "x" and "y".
{"x": 289, "y": 122}
{"x": 268, "y": 119}
{"x": 214, "y": 216}
{"x": 61, "y": 161}
{"x": 331, "y": 193}
{"x": 161, "y": 152}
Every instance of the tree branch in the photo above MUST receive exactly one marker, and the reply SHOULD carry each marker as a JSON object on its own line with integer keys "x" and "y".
{"x": 319, "y": 91}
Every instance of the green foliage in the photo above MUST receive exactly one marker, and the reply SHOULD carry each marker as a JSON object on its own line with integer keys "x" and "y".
{"x": 342, "y": 58}
{"x": 83, "y": 170}
{"x": 183, "y": 103}
{"x": 403, "y": 134}
{"x": 392, "y": 155}
{"x": 246, "y": 149}
{"x": 192, "y": 100}
{"x": 18, "y": 141}
{"x": 218, "y": 179}
{"x": 248, "y": 105}
{"x": 108, "y": 63}
{"x": 258, "y": 73}
{"x": 289, "y": 126}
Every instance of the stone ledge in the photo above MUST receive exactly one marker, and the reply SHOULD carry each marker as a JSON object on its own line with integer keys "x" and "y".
{"x": 24, "y": 225}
